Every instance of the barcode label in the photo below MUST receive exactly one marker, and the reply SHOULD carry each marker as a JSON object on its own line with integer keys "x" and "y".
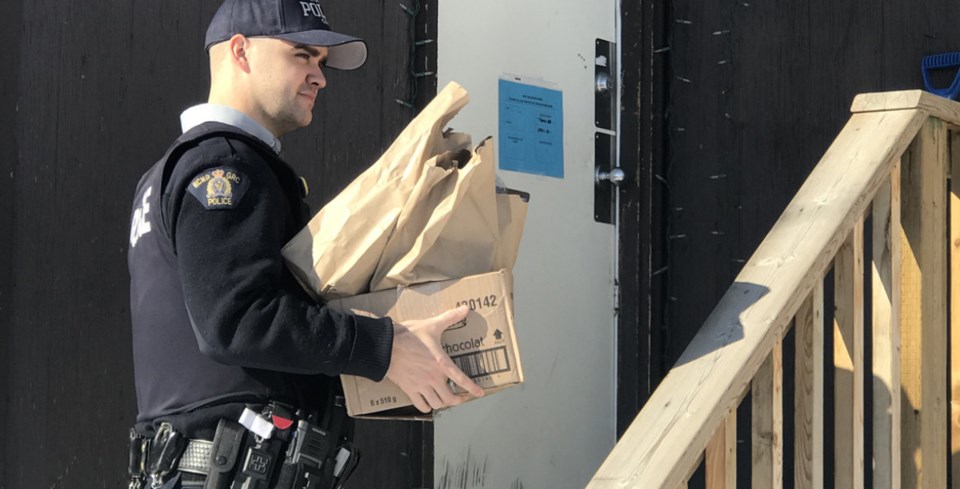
{"x": 483, "y": 363}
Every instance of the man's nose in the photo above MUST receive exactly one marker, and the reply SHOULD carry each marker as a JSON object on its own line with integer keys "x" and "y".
{"x": 317, "y": 79}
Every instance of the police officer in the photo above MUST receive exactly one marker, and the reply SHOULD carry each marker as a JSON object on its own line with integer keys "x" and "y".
{"x": 230, "y": 354}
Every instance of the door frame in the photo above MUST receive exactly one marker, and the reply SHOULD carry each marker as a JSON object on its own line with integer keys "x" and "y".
{"x": 643, "y": 149}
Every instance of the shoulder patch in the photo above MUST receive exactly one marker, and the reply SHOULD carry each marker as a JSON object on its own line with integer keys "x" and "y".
{"x": 219, "y": 188}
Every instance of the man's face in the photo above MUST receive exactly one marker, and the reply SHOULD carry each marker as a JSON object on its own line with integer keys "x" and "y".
{"x": 285, "y": 78}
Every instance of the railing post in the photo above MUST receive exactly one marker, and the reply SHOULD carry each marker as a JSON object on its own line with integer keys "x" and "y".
{"x": 848, "y": 361}
{"x": 955, "y": 305}
{"x": 923, "y": 309}
{"x": 767, "y": 429}
{"x": 721, "y": 455}
{"x": 886, "y": 334}
{"x": 808, "y": 454}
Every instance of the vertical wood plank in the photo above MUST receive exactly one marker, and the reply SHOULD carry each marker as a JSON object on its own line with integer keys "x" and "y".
{"x": 848, "y": 361}
{"x": 642, "y": 137}
{"x": 886, "y": 334}
{"x": 767, "y": 429}
{"x": 923, "y": 310}
{"x": 955, "y": 307}
{"x": 721, "y": 455}
{"x": 809, "y": 438}
{"x": 11, "y": 33}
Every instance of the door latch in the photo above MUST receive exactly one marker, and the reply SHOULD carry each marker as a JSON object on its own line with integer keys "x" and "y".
{"x": 614, "y": 176}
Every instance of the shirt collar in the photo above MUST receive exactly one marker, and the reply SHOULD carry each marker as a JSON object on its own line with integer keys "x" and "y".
{"x": 198, "y": 114}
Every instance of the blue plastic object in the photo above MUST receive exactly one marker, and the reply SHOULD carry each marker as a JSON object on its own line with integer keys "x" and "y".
{"x": 938, "y": 62}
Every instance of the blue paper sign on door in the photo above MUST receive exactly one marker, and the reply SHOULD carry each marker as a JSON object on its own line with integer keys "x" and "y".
{"x": 531, "y": 129}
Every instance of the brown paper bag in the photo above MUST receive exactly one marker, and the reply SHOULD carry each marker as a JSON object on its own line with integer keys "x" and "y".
{"x": 451, "y": 230}
{"x": 339, "y": 250}
{"x": 511, "y": 213}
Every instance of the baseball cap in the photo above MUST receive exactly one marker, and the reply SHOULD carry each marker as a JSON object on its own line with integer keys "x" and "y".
{"x": 299, "y": 21}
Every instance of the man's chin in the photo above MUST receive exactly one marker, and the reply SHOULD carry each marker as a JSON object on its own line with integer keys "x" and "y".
{"x": 305, "y": 119}
{"x": 300, "y": 123}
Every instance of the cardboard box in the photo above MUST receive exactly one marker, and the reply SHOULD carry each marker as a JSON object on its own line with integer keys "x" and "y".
{"x": 484, "y": 346}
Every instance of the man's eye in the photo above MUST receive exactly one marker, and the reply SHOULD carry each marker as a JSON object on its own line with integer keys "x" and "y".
{"x": 304, "y": 56}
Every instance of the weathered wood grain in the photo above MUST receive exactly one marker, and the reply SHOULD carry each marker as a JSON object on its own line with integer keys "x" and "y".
{"x": 848, "y": 361}
{"x": 944, "y": 109}
{"x": 955, "y": 309}
{"x": 923, "y": 310}
{"x": 809, "y": 435}
{"x": 885, "y": 271}
{"x": 721, "y": 456}
{"x": 767, "y": 428}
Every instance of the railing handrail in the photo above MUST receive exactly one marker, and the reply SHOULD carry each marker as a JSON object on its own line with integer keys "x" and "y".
{"x": 671, "y": 432}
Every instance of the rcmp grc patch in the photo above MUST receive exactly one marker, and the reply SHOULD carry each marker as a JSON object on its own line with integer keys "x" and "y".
{"x": 219, "y": 188}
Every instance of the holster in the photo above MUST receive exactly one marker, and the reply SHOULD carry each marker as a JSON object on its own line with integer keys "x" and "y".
{"x": 224, "y": 454}
{"x": 315, "y": 452}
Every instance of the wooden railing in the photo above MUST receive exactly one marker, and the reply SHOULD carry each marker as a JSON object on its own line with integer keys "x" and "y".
{"x": 891, "y": 163}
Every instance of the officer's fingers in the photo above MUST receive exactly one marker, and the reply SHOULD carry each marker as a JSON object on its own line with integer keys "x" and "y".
{"x": 432, "y": 398}
{"x": 420, "y": 403}
{"x": 449, "y": 318}
{"x": 461, "y": 379}
{"x": 444, "y": 391}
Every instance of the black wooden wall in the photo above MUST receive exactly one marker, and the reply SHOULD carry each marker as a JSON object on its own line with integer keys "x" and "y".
{"x": 90, "y": 95}
{"x": 757, "y": 92}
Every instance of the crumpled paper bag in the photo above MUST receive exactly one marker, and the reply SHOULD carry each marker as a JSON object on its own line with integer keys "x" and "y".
{"x": 339, "y": 249}
{"x": 434, "y": 215}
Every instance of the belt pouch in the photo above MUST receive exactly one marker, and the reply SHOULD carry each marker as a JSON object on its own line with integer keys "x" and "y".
{"x": 135, "y": 467}
{"x": 223, "y": 454}
{"x": 163, "y": 452}
{"x": 260, "y": 464}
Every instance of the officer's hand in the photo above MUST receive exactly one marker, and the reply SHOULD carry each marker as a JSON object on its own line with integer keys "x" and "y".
{"x": 421, "y": 368}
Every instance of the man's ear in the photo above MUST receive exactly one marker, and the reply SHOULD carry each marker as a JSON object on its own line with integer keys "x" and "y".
{"x": 239, "y": 46}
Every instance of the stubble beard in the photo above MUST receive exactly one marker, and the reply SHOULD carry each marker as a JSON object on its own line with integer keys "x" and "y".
{"x": 292, "y": 114}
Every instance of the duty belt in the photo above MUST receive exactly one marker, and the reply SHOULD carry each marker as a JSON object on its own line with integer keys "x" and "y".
{"x": 272, "y": 448}
{"x": 196, "y": 457}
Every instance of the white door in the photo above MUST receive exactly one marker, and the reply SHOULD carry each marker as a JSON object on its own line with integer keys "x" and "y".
{"x": 555, "y": 430}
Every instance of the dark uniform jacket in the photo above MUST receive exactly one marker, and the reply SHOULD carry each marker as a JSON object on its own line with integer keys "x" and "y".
{"x": 218, "y": 319}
